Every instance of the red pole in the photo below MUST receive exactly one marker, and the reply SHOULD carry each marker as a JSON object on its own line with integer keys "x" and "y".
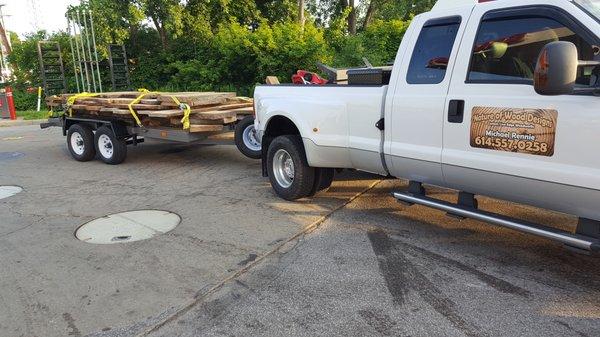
{"x": 11, "y": 103}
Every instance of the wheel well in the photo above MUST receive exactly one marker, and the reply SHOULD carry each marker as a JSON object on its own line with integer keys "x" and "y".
{"x": 279, "y": 126}
{"x": 118, "y": 128}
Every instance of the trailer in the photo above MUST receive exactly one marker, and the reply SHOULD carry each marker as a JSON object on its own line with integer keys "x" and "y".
{"x": 103, "y": 125}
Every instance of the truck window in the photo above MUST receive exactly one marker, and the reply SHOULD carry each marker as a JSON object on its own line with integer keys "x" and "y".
{"x": 432, "y": 52}
{"x": 506, "y": 50}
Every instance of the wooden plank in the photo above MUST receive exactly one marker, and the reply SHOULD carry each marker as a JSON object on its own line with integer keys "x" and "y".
{"x": 215, "y": 114}
{"x": 235, "y": 106}
{"x": 86, "y": 107}
{"x": 272, "y": 80}
{"x": 240, "y": 99}
{"x": 196, "y": 99}
{"x": 117, "y": 111}
{"x": 205, "y": 128}
{"x": 125, "y": 94}
{"x": 117, "y": 101}
{"x": 243, "y": 112}
{"x": 193, "y": 120}
{"x": 161, "y": 113}
{"x": 212, "y": 111}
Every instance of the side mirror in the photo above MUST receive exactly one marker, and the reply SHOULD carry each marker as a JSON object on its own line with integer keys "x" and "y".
{"x": 556, "y": 69}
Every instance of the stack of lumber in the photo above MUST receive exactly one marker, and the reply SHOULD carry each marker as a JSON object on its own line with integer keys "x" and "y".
{"x": 210, "y": 111}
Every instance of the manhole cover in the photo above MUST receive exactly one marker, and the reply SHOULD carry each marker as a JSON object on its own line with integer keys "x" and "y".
{"x": 127, "y": 227}
{"x": 9, "y": 191}
{"x": 10, "y": 155}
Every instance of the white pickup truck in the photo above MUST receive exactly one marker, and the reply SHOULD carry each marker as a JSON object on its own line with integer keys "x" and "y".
{"x": 496, "y": 98}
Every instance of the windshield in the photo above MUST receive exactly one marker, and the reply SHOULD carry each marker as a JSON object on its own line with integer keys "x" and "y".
{"x": 590, "y": 6}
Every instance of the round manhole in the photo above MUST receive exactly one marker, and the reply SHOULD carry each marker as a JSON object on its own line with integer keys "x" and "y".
{"x": 127, "y": 227}
{"x": 9, "y": 191}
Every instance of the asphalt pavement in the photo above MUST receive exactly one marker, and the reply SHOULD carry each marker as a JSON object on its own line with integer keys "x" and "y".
{"x": 350, "y": 262}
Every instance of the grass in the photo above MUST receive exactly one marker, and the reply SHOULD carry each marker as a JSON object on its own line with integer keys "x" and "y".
{"x": 32, "y": 114}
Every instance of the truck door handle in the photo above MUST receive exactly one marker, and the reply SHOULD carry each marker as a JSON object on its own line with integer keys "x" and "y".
{"x": 456, "y": 111}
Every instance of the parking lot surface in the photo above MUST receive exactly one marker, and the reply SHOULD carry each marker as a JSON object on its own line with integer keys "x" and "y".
{"x": 244, "y": 263}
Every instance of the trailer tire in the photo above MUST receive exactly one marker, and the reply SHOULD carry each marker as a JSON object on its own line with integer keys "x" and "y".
{"x": 80, "y": 141}
{"x": 110, "y": 149}
{"x": 323, "y": 180}
{"x": 246, "y": 139}
{"x": 289, "y": 173}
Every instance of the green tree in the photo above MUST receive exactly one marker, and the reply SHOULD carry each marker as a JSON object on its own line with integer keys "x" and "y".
{"x": 166, "y": 15}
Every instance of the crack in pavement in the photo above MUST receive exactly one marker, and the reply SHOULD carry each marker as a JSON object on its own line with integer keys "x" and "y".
{"x": 200, "y": 299}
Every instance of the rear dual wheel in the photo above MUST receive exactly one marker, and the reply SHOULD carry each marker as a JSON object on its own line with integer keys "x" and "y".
{"x": 289, "y": 173}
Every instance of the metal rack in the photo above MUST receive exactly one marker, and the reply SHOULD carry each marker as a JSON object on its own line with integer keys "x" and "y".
{"x": 119, "y": 70}
{"x": 84, "y": 51}
{"x": 52, "y": 68}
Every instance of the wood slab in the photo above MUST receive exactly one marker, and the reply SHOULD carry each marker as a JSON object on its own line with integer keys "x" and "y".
{"x": 196, "y": 99}
{"x": 205, "y": 128}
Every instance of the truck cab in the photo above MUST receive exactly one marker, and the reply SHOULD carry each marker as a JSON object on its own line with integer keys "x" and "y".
{"x": 496, "y": 98}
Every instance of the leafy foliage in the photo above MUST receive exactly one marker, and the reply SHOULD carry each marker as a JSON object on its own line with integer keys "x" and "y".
{"x": 189, "y": 45}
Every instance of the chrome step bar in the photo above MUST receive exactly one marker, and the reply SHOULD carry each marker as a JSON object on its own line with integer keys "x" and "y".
{"x": 572, "y": 240}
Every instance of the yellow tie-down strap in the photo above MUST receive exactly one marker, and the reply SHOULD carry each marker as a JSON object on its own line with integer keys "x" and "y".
{"x": 71, "y": 100}
{"x": 144, "y": 92}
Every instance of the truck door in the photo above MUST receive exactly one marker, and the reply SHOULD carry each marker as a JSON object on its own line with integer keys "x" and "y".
{"x": 501, "y": 138}
{"x": 415, "y": 107}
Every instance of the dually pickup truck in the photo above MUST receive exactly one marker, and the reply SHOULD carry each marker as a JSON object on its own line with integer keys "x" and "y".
{"x": 496, "y": 98}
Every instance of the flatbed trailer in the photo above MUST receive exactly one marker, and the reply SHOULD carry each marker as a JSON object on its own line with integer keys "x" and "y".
{"x": 107, "y": 137}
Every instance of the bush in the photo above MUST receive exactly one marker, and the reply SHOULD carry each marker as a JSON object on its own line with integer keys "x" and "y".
{"x": 24, "y": 100}
{"x": 378, "y": 43}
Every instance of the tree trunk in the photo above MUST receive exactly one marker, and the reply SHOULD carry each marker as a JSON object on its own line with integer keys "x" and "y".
{"x": 352, "y": 18}
{"x": 301, "y": 18}
{"x": 161, "y": 33}
{"x": 4, "y": 39}
{"x": 369, "y": 16}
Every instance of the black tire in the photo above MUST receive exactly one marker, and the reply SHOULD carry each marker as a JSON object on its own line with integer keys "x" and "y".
{"x": 304, "y": 176}
{"x": 81, "y": 149}
{"x": 110, "y": 142}
{"x": 323, "y": 180}
{"x": 242, "y": 140}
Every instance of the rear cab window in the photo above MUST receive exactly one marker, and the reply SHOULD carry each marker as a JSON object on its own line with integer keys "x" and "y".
{"x": 431, "y": 54}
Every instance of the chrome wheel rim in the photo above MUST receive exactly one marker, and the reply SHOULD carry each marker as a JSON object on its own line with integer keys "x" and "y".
{"x": 283, "y": 168}
{"x": 77, "y": 143}
{"x": 105, "y": 146}
{"x": 250, "y": 138}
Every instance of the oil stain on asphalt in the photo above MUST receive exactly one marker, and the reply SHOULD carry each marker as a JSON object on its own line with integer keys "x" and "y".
{"x": 401, "y": 276}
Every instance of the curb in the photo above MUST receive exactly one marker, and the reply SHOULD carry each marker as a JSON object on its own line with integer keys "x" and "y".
{"x": 21, "y": 122}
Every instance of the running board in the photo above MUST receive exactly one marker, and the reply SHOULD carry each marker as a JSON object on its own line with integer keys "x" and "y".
{"x": 572, "y": 240}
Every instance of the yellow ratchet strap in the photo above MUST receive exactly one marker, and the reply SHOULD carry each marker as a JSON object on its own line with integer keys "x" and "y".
{"x": 71, "y": 100}
{"x": 184, "y": 107}
{"x": 144, "y": 92}
{"x": 186, "y": 112}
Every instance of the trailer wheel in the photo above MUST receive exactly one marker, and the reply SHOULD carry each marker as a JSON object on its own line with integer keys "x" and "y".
{"x": 323, "y": 180}
{"x": 80, "y": 141}
{"x": 111, "y": 149}
{"x": 246, "y": 138}
{"x": 289, "y": 173}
